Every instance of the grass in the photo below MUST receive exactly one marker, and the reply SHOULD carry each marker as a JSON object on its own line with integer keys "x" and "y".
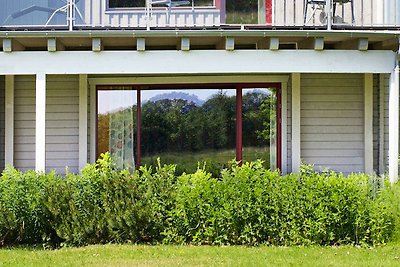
{"x": 134, "y": 255}
{"x": 215, "y": 160}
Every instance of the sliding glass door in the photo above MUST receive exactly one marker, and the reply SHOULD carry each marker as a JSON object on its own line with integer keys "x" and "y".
{"x": 191, "y": 126}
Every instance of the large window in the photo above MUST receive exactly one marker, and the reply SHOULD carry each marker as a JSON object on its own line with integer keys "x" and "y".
{"x": 191, "y": 127}
{"x": 126, "y": 3}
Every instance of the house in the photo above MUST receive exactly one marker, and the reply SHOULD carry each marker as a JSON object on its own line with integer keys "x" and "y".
{"x": 80, "y": 77}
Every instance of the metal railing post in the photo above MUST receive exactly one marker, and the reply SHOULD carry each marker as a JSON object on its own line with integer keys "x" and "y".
{"x": 71, "y": 15}
{"x": 328, "y": 11}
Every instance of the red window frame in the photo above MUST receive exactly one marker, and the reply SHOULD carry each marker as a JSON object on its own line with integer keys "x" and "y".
{"x": 239, "y": 114}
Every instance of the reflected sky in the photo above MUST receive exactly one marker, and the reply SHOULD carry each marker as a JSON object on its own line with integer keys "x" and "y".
{"x": 113, "y": 100}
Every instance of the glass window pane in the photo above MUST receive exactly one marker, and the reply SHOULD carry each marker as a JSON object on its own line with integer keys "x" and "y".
{"x": 116, "y": 126}
{"x": 126, "y": 3}
{"x": 259, "y": 126}
{"x": 185, "y": 127}
{"x": 242, "y": 11}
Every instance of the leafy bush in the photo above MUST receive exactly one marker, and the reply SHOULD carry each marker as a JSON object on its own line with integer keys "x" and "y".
{"x": 23, "y": 216}
{"x": 247, "y": 205}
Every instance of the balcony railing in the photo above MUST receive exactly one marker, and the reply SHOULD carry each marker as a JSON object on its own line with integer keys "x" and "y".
{"x": 75, "y": 14}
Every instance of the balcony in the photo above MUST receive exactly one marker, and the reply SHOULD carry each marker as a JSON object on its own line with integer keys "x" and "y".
{"x": 151, "y": 14}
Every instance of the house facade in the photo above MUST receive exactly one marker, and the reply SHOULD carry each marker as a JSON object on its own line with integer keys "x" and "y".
{"x": 81, "y": 77}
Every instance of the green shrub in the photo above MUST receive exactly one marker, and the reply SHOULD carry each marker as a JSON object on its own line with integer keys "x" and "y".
{"x": 23, "y": 216}
{"x": 246, "y": 205}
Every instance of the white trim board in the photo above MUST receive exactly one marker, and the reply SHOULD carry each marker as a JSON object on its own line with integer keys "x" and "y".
{"x": 197, "y": 62}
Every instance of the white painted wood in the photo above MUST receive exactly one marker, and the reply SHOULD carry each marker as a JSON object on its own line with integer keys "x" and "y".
{"x": 284, "y": 95}
{"x": 83, "y": 120}
{"x": 394, "y": 125}
{"x": 141, "y": 44}
{"x": 62, "y": 122}
{"x": 40, "y": 139}
{"x": 368, "y": 124}
{"x": 24, "y": 122}
{"x": 381, "y": 124}
{"x": 332, "y": 121}
{"x": 274, "y": 43}
{"x": 296, "y": 146}
{"x": 7, "y": 45}
{"x": 9, "y": 121}
{"x": 93, "y": 104}
{"x": 197, "y": 61}
{"x": 97, "y": 45}
{"x": 229, "y": 44}
{"x": 185, "y": 44}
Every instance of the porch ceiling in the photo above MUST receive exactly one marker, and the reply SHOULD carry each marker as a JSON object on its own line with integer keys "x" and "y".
{"x": 199, "y": 40}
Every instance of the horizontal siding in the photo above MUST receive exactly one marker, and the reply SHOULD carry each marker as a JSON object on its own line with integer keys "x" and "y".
{"x": 24, "y": 127}
{"x": 332, "y": 121}
{"x": 2, "y": 120}
{"x": 62, "y": 123}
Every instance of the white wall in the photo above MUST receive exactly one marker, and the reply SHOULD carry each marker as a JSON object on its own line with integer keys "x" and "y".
{"x": 24, "y": 125}
{"x": 332, "y": 121}
{"x": 62, "y": 123}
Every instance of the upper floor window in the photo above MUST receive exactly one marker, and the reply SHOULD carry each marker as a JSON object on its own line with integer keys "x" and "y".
{"x": 142, "y": 3}
{"x": 126, "y": 3}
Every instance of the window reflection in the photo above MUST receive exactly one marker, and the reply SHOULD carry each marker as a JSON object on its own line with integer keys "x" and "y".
{"x": 116, "y": 125}
{"x": 259, "y": 126}
{"x": 187, "y": 127}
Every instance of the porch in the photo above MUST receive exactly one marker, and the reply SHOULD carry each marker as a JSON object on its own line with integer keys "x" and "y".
{"x": 340, "y": 100}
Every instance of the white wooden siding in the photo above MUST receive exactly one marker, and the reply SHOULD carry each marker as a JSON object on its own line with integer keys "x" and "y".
{"x": 332, "y": 121}
{"x": 62, "y": 123}
{"x": 2, "y": 119}
{"x": 24, "y": 127}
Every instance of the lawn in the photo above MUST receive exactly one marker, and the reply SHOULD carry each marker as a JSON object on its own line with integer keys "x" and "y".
{"x": 134, "y": 255}
{"x": 215, "y": 160}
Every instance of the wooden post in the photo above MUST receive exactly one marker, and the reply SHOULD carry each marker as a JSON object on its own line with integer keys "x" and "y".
{"x": 40, "y": 144}
{"x": 239, "y": 133}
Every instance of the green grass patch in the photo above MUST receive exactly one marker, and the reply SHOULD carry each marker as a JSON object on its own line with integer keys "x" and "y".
{"x": 132, "y": 255}
{"x": 212, "y": 161}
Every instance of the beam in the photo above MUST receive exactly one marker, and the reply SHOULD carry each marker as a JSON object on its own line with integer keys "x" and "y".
{"x": 296, "y": 149}
{"x": 83, "y": 121}
{"x": 9, "y": 121}
{"x": 10, "y": 45}
{"x": 141, "y": 44}
{"x": 40, "y": 144}
{"x": 54, "y": 45}
{"x": 394, "y": 125}
{"x": 97, "y": 45}
{"x": 214, "y": 62}
{"x": 184, "y": 44}
{"x": 368, "y": 124}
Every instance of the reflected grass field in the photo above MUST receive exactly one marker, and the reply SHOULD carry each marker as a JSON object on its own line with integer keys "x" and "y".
{"x": 212, "y": 161}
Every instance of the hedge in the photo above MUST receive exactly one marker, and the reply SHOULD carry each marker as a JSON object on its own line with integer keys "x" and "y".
{"x": 247, "y": 205}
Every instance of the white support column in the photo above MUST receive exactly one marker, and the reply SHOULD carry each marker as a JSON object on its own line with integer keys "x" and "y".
{"x": 93, "y": 104}
{"x": 296, "y": 150}
{"x": 394, "y": 125}
{"x": 381, "y": 124}
{"x": 40, "y": 145}
{"x": 284, "y": 127}
{"x": 83, "y": 119}
{"x": 368, "y": 124}
{"x": 9, "y": 121}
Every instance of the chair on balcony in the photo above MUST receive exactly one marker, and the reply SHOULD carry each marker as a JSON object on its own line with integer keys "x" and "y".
{"x": 169, "y": 4}
{"x": 320, "y": 5}
{"x": 51, "y": 11}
